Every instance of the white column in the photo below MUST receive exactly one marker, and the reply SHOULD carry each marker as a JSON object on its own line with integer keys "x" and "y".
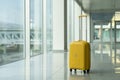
{"x": 68, "y": 25}
{"x": 88, "y": 28}
{"x": 44, "y": 40}
{"x": 58, "y": 24}
{"x": 84, "y": 25}
{"x": 76, "y": 27}
{"x": 73, "y": 20}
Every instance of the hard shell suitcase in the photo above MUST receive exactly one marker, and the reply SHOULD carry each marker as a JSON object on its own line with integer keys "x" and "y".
{"x": 79, "y": 57}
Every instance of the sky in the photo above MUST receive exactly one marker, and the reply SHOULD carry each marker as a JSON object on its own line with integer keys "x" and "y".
{"x": 11, "y": 11}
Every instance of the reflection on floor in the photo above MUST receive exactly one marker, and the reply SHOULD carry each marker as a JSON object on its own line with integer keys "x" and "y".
{"x": 10, "y": 57}
{"x": 105, "y": 65}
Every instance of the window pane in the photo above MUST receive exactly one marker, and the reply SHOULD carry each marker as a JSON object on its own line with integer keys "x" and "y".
{"x": 49, "y": 25}
{"x": 36, "y": 27}
{"x": 118, "y": 31}
{"x": 97, "y": 32}
{"x": 11, "y": 39}
{"x": 36, "y": 45}
{"x": 106, "y": 32}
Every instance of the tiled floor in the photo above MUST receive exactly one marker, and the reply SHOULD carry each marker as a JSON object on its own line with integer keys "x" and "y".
{"x": 105, "y": 65}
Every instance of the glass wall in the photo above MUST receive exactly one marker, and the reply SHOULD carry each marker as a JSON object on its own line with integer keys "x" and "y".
{"x": 36, "y": 37}
{"x": 36, "y": 25}
{"x": 71, "y": 21}
{"x": 40, "y": 32}
{"x": 106, "y": 36}
{"x": 102, "y": 37}
{"x": 102, "y": 32}
{"x": 49, "y": 39}
{"x": 117, "y": 31}
{"x": 11, "y": 30}
{"x": 12, "y": 39}
{"x": 49, "y": 22}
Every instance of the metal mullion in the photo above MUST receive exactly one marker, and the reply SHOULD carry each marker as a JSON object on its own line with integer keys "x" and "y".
{"x": 27, "y": 39}
{"x": 86, "y": 28}
{"x": 73, "y": 20}
{"x": 111, "y": 39}
{"x": 101, "y": 42}
{"x": 115, "y": 40}
{"x": 44, "y": 40}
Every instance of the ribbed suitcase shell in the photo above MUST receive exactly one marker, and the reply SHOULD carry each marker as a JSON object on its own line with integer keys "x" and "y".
{"x": 79, "y": 57}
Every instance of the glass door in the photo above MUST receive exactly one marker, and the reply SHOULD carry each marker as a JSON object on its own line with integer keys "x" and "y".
{"x": 117, "y": 26}
{"x": 102, "y": 31}
{"x": 106, "y": 38}
{"x": 116, "y": 45}
{"x": 102, "y": 37}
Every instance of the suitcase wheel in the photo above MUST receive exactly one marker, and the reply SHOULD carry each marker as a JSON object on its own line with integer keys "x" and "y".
{"x": 84, "y": 71}
{"x": 88, "y": 71}
{"x": 75, "y": 70}
{"x": 70, "y": 70}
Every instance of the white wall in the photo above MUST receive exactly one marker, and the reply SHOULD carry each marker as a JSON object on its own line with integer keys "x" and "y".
{"x": 86, "y": 27}
{"x": 89, "y": 28}
{"x": 58, "y": 24}
{"x": 85, "y": 24}
{"x": 77, "y": 14}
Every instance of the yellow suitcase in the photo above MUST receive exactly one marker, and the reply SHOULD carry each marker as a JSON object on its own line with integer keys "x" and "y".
{"x": 79, "y": 57}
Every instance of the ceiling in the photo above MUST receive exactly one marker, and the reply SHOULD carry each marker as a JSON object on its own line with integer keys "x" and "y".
{"x": 100, "y": 9}
{"x": 99, "y": 5}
